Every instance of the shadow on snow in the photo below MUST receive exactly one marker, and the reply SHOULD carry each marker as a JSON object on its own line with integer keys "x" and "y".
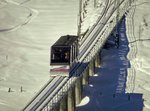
{"x": 106, "y": 91}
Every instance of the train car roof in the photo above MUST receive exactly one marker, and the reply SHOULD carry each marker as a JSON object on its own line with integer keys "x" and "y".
{"x": 65, "y": 40}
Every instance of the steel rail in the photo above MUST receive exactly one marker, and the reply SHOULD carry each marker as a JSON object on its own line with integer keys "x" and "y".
{"x": 96, "y": 32}
{"x": 100, "y": 22}
{"x": 42, "y": 95}
{"x": 57, "y": 87}
{"x": 91, "y": 29}
{"x": 51, "y": 89}
{"x": 37, "y": 95}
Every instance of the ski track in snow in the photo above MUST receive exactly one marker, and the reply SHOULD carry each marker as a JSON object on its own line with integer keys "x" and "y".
{"x": 133, "y": 51}
{"x": 32, "y": 14}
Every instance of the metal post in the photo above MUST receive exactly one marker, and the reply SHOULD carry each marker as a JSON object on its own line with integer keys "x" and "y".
{"x": 79, "y": 25}
{"x": 79, "y": 18}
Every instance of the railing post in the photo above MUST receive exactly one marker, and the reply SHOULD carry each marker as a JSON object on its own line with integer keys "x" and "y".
{"x": 78, "y": 90}
{"x": 79, "y": 18}
{"x": 57, "y": 108}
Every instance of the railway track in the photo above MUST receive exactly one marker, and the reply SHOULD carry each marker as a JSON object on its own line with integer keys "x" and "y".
{"x": 85, "y": 38}
{"x": 97, "y": 30}
{"x": 46, "y": 93}
{"x": 53, "y": 92}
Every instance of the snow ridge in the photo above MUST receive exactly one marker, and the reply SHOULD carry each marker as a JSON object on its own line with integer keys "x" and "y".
{"x": 28, "y": 14}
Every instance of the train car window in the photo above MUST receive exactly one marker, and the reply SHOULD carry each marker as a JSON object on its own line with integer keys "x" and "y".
{"x": 60, "y": 55}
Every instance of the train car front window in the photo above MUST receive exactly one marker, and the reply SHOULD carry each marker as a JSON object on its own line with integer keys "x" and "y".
{"x": 60, "y": 55}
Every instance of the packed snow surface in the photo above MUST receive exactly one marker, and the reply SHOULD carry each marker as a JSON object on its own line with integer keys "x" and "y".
{"x": 27, "y": 30}
{"x": 29, "y": 27}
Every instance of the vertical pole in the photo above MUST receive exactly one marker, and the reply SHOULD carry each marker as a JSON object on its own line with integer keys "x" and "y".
{"x": 9, "y": 90}
{"x": 79, "y": 18}
{"x": 79, "y": 25}
{"x": 21, "y": 89}
{"x": 78, "y": 90}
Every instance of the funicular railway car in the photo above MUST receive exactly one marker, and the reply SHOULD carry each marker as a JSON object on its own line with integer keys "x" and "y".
{"x": 63, "y": 53}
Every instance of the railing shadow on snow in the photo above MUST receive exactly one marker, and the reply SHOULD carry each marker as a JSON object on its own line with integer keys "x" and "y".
{"x": 107, "y": 88}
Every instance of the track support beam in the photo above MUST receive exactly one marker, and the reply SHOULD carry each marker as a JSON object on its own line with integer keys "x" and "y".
{"x": 85, "y": 78}
{"x": 78, "y": 90}
{"x": 71, "y": 99}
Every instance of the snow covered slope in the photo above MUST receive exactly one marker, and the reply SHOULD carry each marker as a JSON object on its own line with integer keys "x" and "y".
{"x": 27, "y": 30}
{"x": 29, "y": 27}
